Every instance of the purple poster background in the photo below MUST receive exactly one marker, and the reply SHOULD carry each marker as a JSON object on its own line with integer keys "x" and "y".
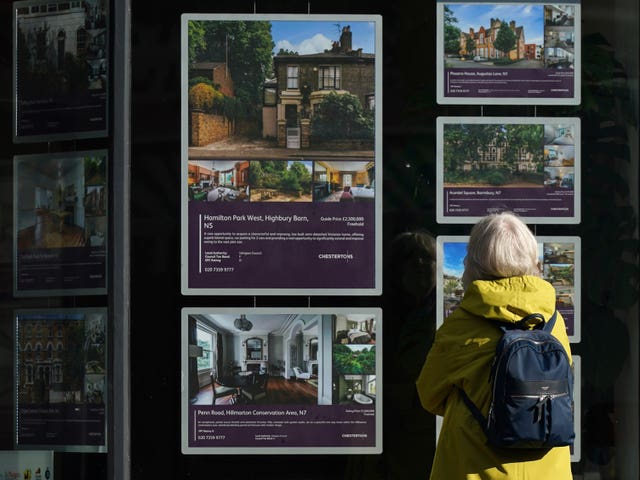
{"x": 526, "y": 202}
{"x": 57, "y": 425}
{"x": 501, "y": 83}
{"x": 61, "y": 268}
{"x": 290, "y": 426}
{"x": 281, "y": 245}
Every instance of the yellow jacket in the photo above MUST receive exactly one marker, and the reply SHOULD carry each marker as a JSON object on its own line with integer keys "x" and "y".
{"x": 461, "y": 356}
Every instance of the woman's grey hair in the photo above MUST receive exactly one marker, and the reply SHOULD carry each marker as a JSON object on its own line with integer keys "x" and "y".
{"x": 500, "y": 246}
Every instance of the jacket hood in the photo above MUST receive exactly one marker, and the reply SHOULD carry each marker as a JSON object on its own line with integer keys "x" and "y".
{"x": 510, "y": 299}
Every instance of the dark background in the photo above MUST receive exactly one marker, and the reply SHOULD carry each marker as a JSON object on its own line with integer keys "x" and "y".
{"x": 409, "y": 117}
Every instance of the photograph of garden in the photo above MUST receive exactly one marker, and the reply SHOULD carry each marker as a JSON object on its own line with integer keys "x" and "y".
{"x": 280, "y": 181}
{"x": 493, "y": 155}
{"x": 354, "y": 359}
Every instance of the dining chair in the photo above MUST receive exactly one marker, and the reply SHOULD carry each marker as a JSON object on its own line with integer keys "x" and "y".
{"x": 222, "y": 391}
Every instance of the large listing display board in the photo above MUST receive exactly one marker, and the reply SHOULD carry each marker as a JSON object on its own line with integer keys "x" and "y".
{"x": 527, "y": 165}
{"x": 60, "y": 224}
{"x": 60, "y": 69}
{"x": 281, "y": 381}
{"x": 508, "y": 52}
{"x": 61, "y": 379}
{"x": 281, "y": 154}
{"x": 560, "y": 261}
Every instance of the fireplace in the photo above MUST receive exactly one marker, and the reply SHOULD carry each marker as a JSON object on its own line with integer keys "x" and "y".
{"x": 255, "y": 366}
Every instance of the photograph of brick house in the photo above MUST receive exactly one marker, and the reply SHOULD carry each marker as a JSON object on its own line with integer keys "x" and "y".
{"x": 484, "y": 40}
{"x": 488, "y": 35}
{"x": 277, "y": 85}
{"x": 305, "y": 81}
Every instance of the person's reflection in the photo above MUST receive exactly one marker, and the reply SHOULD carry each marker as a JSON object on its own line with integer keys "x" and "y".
{"x": 410, "y": 430}
{"x": 409, "y": 327}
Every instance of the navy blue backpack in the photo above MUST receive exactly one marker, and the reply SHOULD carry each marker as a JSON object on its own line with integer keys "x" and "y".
{"x": 532, "y": 389}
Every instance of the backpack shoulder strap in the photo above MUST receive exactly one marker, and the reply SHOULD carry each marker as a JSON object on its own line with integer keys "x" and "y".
{"x": 548, "y": 326}
{"x": 475, "y": 411}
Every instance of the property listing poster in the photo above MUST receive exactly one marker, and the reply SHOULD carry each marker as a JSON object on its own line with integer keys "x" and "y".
{"x": 60, "y": 69}
{"x": 560, "y": 261}
{"x": 281, "y": 154}
{"x": 61, "y": 379}
{"x": 275, "y": 381}
{"x": 60, "y": 224}
{"x": 527, "y": 165}
{"x": 20, "y": 465}
{"x": 508, "y": 52}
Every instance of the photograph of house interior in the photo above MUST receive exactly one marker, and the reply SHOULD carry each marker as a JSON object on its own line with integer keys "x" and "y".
{"x": 281, "y": 358}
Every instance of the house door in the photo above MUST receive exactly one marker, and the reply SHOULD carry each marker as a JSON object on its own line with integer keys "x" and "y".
{"x": 347, "y": 178}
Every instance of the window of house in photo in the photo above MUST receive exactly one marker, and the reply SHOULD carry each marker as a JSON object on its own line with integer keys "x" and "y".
{"x": 371, "y": 101}
{"x": 206, "y": 339}
{"x": 329, "y": 77}
{"x": 292, "y": 77}
{"x": 269, "y": 97}
{"x": 371, "y": 385}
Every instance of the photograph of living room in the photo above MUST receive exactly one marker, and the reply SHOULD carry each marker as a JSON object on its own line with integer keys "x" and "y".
{"x": 60, "y": 201}
{"x": 343, "y": 181}
{"x": 219, "y": 181}
{"x": 258, "y": 359}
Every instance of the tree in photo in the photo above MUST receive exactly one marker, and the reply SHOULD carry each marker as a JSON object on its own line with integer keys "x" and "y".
{"x": 524, "y": 141}
{"x": 451, "y": 32}
{"x": 341, "y": 116}
{"x": 505, "y": 39}
{"x": 470, "y": 45}
{"x": 354, "y": 362}
{"x": 246, "y": 49}
{"x": 462, "y": 142}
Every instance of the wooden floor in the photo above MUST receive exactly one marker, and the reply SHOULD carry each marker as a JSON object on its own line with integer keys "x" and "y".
{"x": 64, "y": 237}
{"x": 279, "y": 392}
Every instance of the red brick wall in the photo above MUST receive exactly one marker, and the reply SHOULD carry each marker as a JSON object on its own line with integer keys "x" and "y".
{"x": 206, "y": 128}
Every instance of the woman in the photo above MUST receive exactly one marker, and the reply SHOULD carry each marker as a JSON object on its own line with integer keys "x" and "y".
{"x": 502, "y": 284}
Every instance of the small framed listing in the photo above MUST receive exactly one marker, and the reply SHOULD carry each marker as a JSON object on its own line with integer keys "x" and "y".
{"x": 559, "y": 257}
{"x": 281, "y": 381}
{"x": 60, "y": 224}
{"x": 61, "y": 70}
{"x": 508, "y": 52}
{"x": 61, "y": 379}
{"x": 527, "y": 165}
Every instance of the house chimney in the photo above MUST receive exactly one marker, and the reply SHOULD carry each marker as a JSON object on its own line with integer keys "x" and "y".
{"x": 345, "y": 39}
{"x": 512, "y": 24}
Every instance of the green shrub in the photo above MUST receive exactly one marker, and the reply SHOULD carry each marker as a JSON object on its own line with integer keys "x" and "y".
{"x": 204, "y": 97}
{"x": 496, "y": 178}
